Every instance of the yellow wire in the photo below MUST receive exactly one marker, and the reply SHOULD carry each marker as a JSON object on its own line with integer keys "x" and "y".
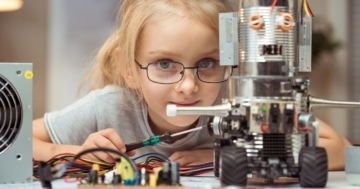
{"x": 82, "y": 175}
{"x": 306, "y": 8}
{"x": 98, "y": 162}
{"x": 87, "y": 160}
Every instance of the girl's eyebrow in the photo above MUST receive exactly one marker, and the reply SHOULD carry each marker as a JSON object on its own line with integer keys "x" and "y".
{"x": 164, "y": 52}
{"x": 170, "y": 53}
{"x": 213, "y": 51}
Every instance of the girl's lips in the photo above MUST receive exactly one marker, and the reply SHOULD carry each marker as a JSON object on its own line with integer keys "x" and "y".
{"x": 193, "y": 103}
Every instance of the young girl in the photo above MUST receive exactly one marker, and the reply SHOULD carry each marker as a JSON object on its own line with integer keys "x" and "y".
{"x": 164, "y": 52}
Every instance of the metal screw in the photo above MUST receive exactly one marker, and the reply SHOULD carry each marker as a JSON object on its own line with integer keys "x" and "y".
{"x": 18, "y": 72}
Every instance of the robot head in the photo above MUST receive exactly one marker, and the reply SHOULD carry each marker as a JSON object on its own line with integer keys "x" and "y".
{"x": 267, "y": 31}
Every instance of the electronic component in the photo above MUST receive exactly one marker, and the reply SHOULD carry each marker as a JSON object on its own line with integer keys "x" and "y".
{"x": 165, "y": 176}
{"x": 126, "y": 173}
{"x": 16, "y": 122}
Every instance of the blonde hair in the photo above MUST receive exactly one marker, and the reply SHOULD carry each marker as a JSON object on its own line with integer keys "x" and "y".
{"x": 134, "y": 16}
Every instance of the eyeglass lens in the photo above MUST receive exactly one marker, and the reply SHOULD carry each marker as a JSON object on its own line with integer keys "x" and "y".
{"x": 171, "y": 72}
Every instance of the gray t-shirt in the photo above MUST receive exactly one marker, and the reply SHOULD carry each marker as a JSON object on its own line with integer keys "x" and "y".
{"x": 103, "y": 108}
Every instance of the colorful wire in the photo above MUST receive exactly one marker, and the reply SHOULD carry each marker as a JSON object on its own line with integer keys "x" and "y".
{"x": 80, "y": 168}
{"x": 307, "y": 9}
{"x": 152, "y": 153}
{"x": 273, "y": 6}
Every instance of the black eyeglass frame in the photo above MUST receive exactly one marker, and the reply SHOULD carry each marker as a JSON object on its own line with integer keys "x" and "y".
{"x": 182, "y": 73}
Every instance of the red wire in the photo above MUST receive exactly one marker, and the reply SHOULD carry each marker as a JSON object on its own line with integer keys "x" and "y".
{"x": 273, "y": 5}
{"x": 308, "y": 8}
{"x": 184, "y": 170}
{"x": 63, "y": 154}
{"x": 66, "y": 179}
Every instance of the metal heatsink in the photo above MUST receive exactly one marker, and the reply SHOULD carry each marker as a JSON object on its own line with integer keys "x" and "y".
{"x": 16, "y": 122}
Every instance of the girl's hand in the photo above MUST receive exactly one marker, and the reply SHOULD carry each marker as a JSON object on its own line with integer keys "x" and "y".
{"x": 107, "y": 138}
{"x": 192, "y": 156}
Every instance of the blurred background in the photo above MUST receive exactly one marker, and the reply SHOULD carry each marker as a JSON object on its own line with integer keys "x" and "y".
{"x": 61, "y": 39}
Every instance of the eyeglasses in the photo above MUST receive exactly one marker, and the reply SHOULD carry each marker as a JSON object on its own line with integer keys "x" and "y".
{"x": 169, "y": 72}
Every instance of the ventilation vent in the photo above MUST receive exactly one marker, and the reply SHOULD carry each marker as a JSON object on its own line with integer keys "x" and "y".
{"x": 276, "y": 145}
{"x": 10, "y": 114}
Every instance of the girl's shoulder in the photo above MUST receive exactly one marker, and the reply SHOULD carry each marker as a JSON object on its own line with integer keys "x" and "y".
{"x": 112, "y": 94}
{"x": 108, "y": 89}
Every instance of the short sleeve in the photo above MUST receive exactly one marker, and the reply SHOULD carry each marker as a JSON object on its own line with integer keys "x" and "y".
{"x": 73, "y": 124}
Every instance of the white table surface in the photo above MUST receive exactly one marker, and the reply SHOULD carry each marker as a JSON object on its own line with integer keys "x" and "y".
{"x": 207, "y": 181}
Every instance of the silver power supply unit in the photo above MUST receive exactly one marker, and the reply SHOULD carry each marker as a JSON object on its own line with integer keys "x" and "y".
{"x": 16, "y": 122}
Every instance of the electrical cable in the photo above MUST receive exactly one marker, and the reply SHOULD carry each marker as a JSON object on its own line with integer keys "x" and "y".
{"x": 202, "y": 166}
{"x": 152, "y": 153}
{"x": 153, "y": 159}
{"x": 302, "y": 12}
{"x": 307, "y": 9}
{"x": 106, "y": 150}
{"x": 273, "y": 6}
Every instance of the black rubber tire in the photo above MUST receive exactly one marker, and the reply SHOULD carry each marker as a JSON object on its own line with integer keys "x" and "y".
{"x": 233, "y": 166}
{"x": 313, "y": 163}
{"x": 216, "y": 162}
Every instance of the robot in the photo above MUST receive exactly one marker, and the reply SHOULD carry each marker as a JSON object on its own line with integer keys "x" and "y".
{"x": 265, "y": 127}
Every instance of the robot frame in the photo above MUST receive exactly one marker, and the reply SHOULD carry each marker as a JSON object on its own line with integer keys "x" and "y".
{"x": 264, "y": 125}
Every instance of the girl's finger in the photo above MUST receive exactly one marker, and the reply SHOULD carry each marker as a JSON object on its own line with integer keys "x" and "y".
{"x": 131, "y": 153}
{"x": 104, "y": 156}
{"x": 179, "y": 154}
{"x": 114, "y": 138}
{"x": 186, "y": 160}
{"x": 93, "y": 155}
{"x": 102, "y": 142}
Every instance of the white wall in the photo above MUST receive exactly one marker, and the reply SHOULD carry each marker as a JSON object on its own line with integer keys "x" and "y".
{"x": 76, "y": 30}
{"x": 23, "y": 36}
{"x": 329, "y": 79}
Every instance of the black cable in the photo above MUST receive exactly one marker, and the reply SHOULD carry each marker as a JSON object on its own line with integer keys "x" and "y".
{"x": 83, "y": 168}
{"x": 302, "y": 11}
{"x": 100, "y": 165}
{"x": 153, "y": 158}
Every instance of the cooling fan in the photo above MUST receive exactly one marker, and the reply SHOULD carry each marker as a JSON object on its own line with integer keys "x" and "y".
{"x": 15, "y": 122}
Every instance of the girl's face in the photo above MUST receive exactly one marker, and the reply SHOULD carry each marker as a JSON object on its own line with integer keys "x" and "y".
{"x": 184, "y": 40}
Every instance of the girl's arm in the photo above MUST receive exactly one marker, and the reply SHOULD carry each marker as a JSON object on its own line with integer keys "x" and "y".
{"x": 334, "y": 144}
{"x": 192, "y": 156}
{"x": 43, "y": 148}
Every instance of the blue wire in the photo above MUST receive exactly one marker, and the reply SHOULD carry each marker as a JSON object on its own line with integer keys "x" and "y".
{"x": 202, "y": 166}
{"x": 137, "y": 178}
{"x": 66, "y": 166}
{"x": 152, "y": 153}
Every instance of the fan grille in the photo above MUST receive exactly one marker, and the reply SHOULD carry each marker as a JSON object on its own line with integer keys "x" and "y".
{"x": 10, "y": 114}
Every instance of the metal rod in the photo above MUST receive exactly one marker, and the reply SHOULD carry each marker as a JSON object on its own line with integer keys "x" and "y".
{"x": 316, "y": 103}
{"x": 188, "y": 131}
{"x": 219, "y": 110}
